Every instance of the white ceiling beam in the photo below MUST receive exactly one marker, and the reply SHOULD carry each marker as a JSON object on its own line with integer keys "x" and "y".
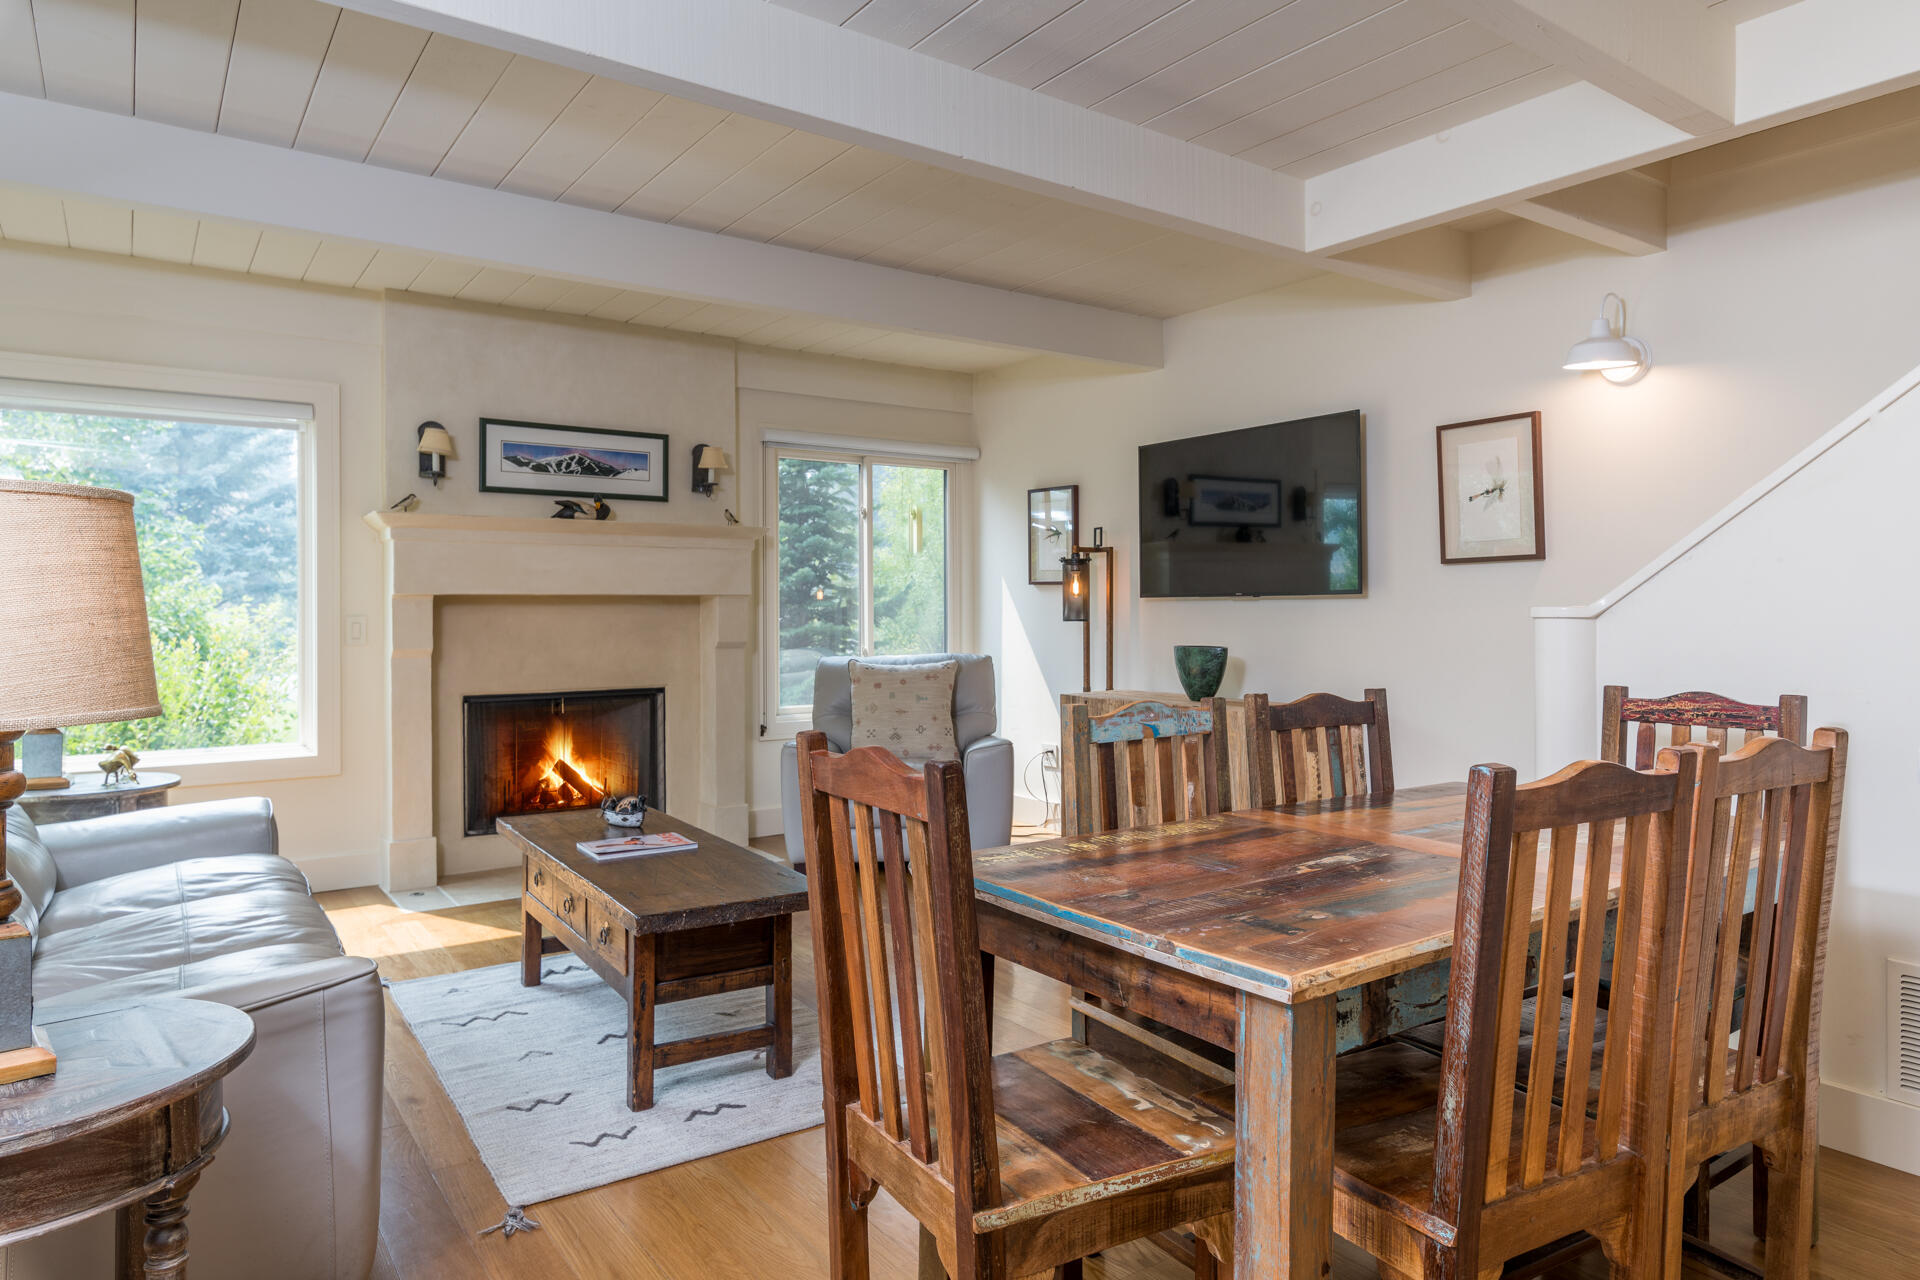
{"x": 1434, "y": 263}
{"x": 1625, "y": 212}
{"x": 1808, "y": 58}
{"x": 1673, "y": 59}
{"x": 775, "y": 64}
{"x": 85, "y": 152}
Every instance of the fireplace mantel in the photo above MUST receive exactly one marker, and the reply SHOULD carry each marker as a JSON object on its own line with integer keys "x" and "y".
{"x": 431, "y": 555}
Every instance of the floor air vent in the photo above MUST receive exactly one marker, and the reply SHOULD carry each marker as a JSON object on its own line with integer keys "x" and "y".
{"x": 1903, "y": 1031}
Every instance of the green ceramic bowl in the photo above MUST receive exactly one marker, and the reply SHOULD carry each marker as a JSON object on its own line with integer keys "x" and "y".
{"x": 1201, "y": 667}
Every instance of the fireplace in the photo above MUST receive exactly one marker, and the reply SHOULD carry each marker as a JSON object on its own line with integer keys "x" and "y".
{"x": 545, "y": 752}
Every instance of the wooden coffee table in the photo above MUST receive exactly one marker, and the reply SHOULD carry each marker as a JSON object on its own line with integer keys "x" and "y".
{"x": 661, "y": 928}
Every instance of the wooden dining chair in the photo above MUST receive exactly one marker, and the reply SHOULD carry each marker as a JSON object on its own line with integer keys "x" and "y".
{"x": 1709, "y": 718}
{"x": 1014, "y": 1165}
{"x": 1691, "y": 717}
{"x": 1765, "y": 836}
{"x": 1442, "y": 1167}
{"x": 1148, "y": 762}
{"x": 1319, "y": 747}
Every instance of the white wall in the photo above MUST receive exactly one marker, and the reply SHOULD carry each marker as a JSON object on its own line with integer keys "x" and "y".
{"x": 1797, "y": 595}
{"x": 400, "y": 360}
{"x": 1773, "y": 314}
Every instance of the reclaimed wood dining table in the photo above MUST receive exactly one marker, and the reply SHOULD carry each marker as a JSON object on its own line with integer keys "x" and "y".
{"x": 1285, "y": 934}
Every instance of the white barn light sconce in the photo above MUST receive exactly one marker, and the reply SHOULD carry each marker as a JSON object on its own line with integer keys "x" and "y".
{"x": 1607, "y": 350}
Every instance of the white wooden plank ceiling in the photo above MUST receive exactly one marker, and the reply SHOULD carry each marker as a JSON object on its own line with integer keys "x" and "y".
{"x": 317, "y": 78}
{"x": 35, "y": 217}
{"x": 1301, "y": 86}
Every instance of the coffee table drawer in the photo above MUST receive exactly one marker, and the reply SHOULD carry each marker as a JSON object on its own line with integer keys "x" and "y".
{"x": 560, "y": 891}
{"x": 606, "y": 935}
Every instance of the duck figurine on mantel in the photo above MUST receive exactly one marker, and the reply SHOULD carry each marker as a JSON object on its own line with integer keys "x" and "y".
{"x": 570, "y": 509}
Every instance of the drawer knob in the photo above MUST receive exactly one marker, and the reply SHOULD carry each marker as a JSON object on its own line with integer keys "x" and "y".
{"x": 539, "y": 877}
{"x": 568, "y": 904}
{"x": 606, "y": 933}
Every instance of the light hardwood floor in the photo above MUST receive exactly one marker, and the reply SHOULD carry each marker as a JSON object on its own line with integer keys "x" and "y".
{"x": 758, "y": 1211}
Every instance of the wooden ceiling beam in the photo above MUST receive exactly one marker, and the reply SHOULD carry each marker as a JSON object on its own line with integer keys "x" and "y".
{"x": 93, "y": 153}
{"x": 1672, "y": 59}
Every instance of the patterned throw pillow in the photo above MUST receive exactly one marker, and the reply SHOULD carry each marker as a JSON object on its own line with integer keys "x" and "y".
{"x": 906, "y": 709}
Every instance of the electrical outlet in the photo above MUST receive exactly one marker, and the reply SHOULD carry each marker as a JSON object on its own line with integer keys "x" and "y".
{"x": 356, "y": 628}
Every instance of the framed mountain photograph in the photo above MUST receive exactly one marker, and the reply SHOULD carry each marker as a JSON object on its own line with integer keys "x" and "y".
{"x": 539, "y": 457}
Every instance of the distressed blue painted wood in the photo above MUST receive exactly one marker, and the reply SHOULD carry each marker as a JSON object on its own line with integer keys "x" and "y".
{"x": 1145, "y": 719}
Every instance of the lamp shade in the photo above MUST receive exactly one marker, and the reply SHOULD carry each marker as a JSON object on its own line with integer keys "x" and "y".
{"x": 74, "y": 645}
{"x": 1601, "y": 349}
{"x": 712, "y": 458}
{"x": 435, "y": 440}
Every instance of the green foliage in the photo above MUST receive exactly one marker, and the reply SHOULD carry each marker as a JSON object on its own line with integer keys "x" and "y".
{"x": 909, "y": 585}
{"x": 819, "y": 569}
{"x": 820, "y": 564}
{"x": 216, "y": 512}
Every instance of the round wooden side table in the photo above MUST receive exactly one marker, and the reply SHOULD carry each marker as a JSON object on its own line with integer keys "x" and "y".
{"x": 89, "y": 798}
{"x": 129, "y": 1121}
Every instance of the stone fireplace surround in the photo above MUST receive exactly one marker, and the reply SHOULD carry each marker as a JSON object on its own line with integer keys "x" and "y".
{"x": 429, "y": 556}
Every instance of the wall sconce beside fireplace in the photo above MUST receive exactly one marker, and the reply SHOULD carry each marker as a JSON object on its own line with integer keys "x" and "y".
{"x": 546, "y": 752}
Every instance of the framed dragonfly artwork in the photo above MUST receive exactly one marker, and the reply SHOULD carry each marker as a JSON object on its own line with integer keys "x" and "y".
{"x": 1492, "y": 502}
{"x": 1053, "y": 529}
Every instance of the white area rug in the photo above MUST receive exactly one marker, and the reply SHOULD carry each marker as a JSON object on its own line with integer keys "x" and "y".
{"x": 539, "y": 1076}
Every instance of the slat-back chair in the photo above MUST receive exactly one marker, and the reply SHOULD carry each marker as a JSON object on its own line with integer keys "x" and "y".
{"x": 1013, "y": 1165}
{"x": 1711, "y": 718}
{"x": 1320, "y": 747}
{"x": 1443, "y": 1167}
{"x": 1766, "y": 832}
{"x": 1148, "y": 763}
{"x": 1692, "y": 717}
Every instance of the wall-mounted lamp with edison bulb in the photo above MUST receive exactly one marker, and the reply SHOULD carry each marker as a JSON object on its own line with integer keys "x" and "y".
{"x": 1607, "y": 350}
{"x": 435, "y": 447}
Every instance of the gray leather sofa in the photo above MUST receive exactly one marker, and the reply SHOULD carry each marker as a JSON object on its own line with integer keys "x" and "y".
{"x": 986, "y": 759}
{"x": 192, "y": 900}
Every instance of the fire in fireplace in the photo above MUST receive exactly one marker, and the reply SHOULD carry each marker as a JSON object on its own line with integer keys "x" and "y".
{"x": 534, "y": 752}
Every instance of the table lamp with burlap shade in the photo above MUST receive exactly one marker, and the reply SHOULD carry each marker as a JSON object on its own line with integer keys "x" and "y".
{"x": 74, "y": 649}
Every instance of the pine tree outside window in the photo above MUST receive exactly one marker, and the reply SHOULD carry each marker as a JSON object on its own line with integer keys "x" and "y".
{"x": 862, "y": 562}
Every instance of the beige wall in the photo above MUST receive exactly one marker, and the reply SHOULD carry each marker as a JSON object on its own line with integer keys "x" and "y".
{"x": 400, "y": 360}
{"x": 454, "y": 363}
{"x": 532, "y": 644}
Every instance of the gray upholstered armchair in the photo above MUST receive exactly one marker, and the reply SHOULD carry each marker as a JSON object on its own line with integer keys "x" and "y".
{"x": 987, "y": 759}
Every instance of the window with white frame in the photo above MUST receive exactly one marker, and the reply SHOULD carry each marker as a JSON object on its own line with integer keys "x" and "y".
{"x": 220, "y": 488}
{"x": 862, "y": 561}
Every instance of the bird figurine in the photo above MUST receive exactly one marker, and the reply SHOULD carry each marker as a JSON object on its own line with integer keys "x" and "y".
{"x": 601, "y": 509}
{"x": 117, "y": 767}
{"x": 568, "y": 509}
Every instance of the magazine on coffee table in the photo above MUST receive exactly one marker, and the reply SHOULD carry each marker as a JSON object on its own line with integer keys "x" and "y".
{"x": 635, "y": 846}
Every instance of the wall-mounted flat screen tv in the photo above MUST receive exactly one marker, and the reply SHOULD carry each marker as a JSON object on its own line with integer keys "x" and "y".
{"x": 1278, "y": 510}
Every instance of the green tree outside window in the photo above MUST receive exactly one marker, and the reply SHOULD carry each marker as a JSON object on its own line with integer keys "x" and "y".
{"x": 217, "y": 511}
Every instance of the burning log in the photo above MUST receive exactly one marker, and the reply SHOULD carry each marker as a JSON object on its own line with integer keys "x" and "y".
{"x": 589, "y": 794}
